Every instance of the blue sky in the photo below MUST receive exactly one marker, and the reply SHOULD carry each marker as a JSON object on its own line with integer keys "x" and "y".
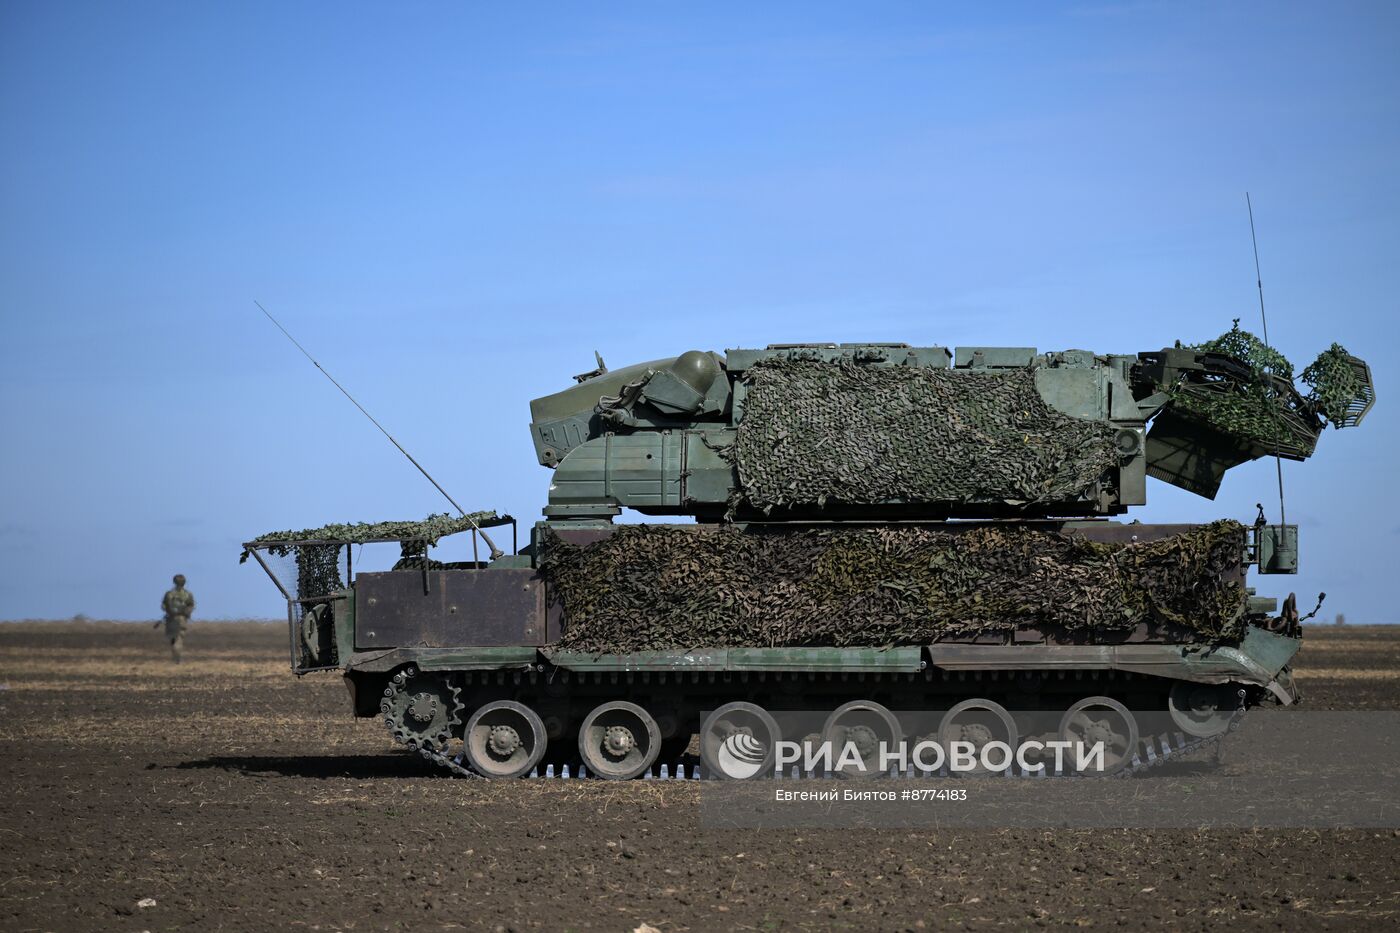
{"x": 452, "y": 206}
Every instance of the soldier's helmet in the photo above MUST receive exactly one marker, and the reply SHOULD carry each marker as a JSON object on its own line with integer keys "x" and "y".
{"x": 179, "y": 579}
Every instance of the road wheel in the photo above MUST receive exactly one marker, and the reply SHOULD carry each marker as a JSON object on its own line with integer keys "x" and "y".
{"x": 866, "y": 727}
{"x": 1100, "y": 719}
{"x": 619, "y": 741}
{"x": 980, "y": 722}
{"x": 504, "y": 739}
{"x": 739, "y": 741}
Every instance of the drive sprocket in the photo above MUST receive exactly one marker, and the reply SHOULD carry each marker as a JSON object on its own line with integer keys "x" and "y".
{"x": 421, "y": 710}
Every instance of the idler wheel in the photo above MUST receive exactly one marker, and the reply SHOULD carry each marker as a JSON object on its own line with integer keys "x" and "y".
{"x": 504, "y": 739}
{"x": 1203, "y": 710}
{"x": 619, "y": 740}
{"x": 866, "y": 727}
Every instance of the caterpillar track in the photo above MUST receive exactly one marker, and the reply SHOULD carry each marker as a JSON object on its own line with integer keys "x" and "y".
{"x": 436, "y": 743}
{"x": 1153, "y": 754}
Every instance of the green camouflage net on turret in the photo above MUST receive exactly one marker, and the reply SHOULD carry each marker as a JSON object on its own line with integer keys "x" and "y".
{"x": 1250, "y": 350}
{"x": 1266, "y": 414}
{"x": 1335, "y": 384}
{"x": 1248, "y": 413}
{"x": 1257, "y": 411}
{"x": 657, "y": 587}
{"x": 817, "y": 431}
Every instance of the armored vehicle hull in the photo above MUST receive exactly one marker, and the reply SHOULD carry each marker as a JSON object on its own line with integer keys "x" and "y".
{"x": 473, "y": 666}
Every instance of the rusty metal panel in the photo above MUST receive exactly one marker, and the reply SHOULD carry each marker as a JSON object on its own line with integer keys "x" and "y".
{"x": 456, "y": 608}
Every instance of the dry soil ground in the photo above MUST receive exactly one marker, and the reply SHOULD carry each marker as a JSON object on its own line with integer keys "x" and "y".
{"x": 236, "y": 796}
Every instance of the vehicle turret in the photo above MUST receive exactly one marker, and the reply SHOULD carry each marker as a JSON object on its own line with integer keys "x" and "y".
{"x": 888, "y": 431}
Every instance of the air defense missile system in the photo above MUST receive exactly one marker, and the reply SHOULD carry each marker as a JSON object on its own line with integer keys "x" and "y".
{"x": 867, "y": 527}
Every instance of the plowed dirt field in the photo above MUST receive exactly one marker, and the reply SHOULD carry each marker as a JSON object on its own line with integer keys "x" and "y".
{"x": 235, "y": 796}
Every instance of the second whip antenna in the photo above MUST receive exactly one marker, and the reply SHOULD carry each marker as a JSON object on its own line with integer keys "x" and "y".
{"x": 495, "y": 551}
{"x": 1264, "y": 320}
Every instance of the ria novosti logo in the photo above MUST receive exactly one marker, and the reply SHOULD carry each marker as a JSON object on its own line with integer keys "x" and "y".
{"x": 741, "y": 757}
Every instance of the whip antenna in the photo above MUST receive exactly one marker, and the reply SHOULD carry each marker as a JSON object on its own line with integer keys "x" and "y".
{"x": 1264, "y": 320}
{"x": 495, "y": 551}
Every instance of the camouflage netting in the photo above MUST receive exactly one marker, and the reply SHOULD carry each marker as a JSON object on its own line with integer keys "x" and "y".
{"x": 1258, "y": 412}
{"x": 318, "y": 563}
{"x": 1249, "y": 349}
{"x": 1250, "y": 414}
{"x": 318, "y": 569}
{"x": 816, "y": 431}
{"x": 1335, "y": 384}
{"x": 429, "y": 529}
{"x": 657, "y": 587}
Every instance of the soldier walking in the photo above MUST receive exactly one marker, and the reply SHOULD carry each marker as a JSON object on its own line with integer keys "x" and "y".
{"x": 178, "y": 606}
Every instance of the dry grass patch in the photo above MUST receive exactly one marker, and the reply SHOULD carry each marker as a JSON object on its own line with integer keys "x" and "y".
{"x": 1347, "y": 673}
{"x": 117, "y": 671}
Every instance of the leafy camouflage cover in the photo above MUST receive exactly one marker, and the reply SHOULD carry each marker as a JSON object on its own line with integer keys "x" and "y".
{"x": 816, "y": 431}
{"x": 318, "y": 563}
{"x": 429, "y": 529}
{"x": 660, "y": 587}
{"x": 1266, "y": 411}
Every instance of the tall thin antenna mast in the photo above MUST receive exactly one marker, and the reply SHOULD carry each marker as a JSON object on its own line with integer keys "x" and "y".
{"x": 1263, "y": 319}
{"x": 495, "y": 551}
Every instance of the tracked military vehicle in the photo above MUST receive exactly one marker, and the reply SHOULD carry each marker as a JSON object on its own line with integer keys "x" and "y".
{"x": 876, "y": 527}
